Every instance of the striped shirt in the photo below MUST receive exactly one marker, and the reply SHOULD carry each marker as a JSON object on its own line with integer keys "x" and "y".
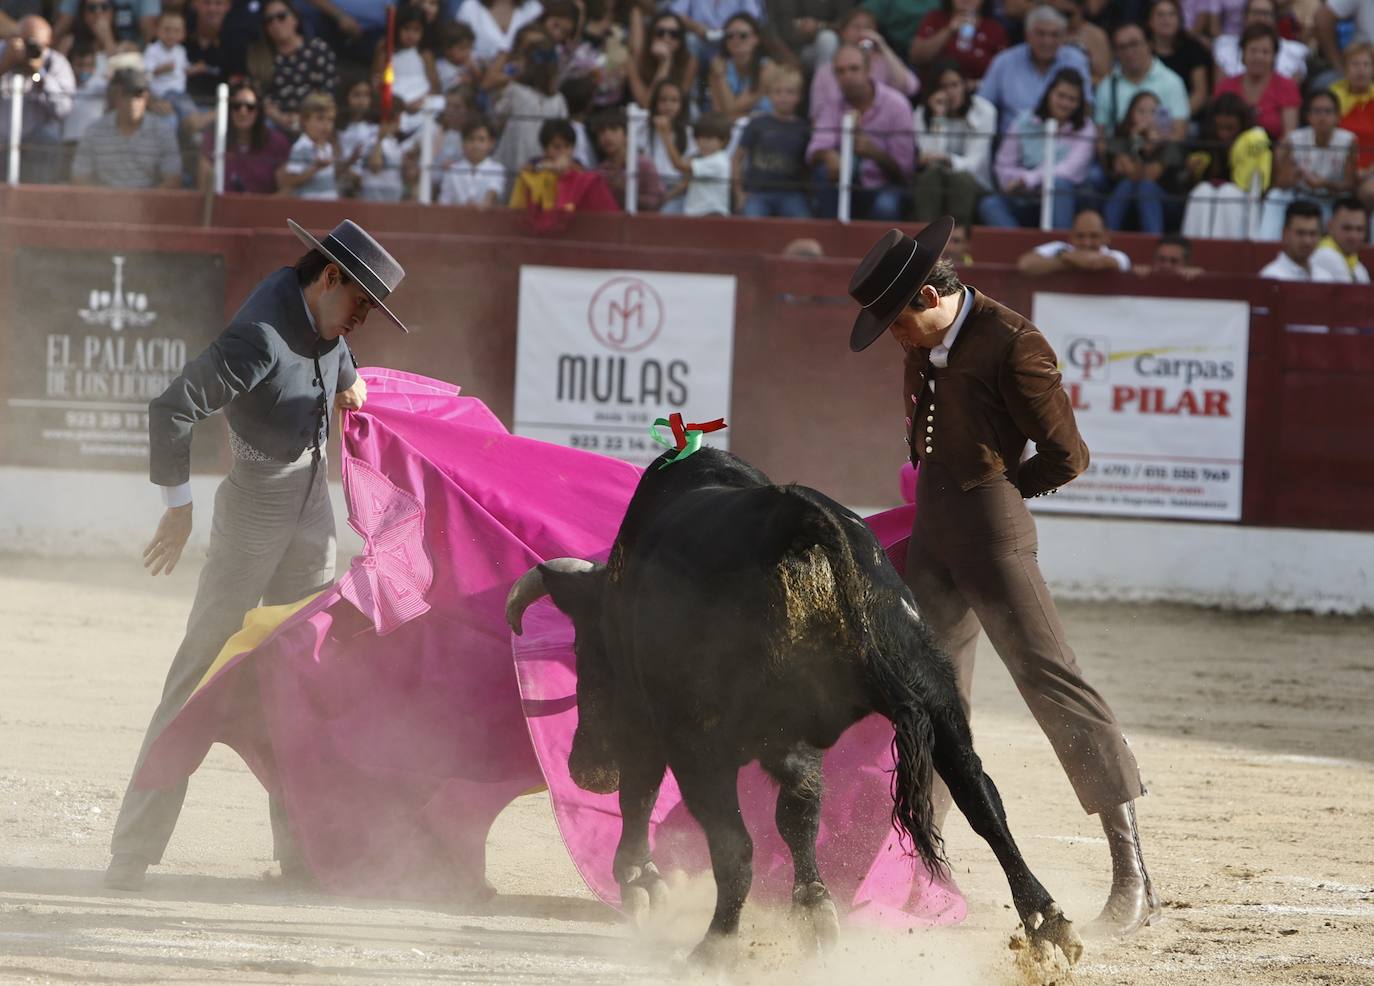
{"x": 142, "y": 159}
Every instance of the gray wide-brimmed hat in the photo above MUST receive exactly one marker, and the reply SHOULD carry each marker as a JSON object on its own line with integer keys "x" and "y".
{"x": 362, "y": 258}
{"x": 890, "y": 275}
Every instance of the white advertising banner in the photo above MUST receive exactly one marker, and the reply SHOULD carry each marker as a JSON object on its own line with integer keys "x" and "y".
{"x": 602, "y": 353}
{"x": 1158, "y": 388}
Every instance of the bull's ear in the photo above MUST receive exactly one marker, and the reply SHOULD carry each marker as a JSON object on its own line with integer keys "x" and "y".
{"x": 576, "y": 593}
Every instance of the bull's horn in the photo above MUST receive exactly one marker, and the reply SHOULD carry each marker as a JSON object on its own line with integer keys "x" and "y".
{"x": 530, "y": 587}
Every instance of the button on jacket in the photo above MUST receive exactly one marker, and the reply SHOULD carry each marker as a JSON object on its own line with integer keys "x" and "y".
{"x": 270, "y": 371}
{"x": 1000, "y": 389}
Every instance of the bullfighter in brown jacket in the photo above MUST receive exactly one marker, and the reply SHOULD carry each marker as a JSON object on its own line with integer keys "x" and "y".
{"x": 980, "y": 382}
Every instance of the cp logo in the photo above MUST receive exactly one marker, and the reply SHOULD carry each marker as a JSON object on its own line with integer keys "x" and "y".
{"x": 1090, "y": 357}
{"x": 626, "y": 314}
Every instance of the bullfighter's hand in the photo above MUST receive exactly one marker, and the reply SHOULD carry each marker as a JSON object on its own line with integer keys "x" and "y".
{"x": 164, "y": 550}
{"x": 352, "y": 398}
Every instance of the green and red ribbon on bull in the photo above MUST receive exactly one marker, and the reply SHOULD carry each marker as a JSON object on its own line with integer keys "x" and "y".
{"x": 686, "y": 437}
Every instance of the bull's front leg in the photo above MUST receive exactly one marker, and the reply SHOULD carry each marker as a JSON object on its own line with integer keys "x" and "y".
{"x": 710, "y": 792}
{"x": 978, "y": 800}
{"x": 642, "y": 888}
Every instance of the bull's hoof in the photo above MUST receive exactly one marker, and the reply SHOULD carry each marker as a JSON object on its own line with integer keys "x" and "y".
{"x": 1048, "y": 932}
{"x": 811, "y": 903}
{"x": 715, "y": 952}
{"x": 642, "y": 891}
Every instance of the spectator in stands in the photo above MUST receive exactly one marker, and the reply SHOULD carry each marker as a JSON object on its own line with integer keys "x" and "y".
{"x": 607, "y": 28}
{"x": 1173, "y": 257}
{"x": 708, "y": 182}
{"x": 1018, "y": 77}
{"x": 49, "y": 91}
{"x": 705, "y": 22}
{"x": 808, "y": 27}
{"x": 1338, "y": 254}
{"x": 610, "y": 144}
{"x": 1181, "y": 53}
{"x": 1089, "y": 251}
{"x": 884, "y": 141}
{"x": 165, "y": 64}
{"x": 88, "y": 103}
{"x": 669, "y": 124}
{"x": 126, "y": 148}
{"x": 311, "y": 172}
{"x": 1087, "y": 37}
{"x": 224, "y": 57}
{"x": 1274, "y": 99}
{"x": 954, "y": 129}
{"x": 371, "y": 154}
{"x": 93, "y": 26}
{"x": 1302, "y": 229}
{"x": 297, "y": 66}
{"x": 476, "y": 178}
{"x": 1222, "y": 17}
{"x": 529, "y": 100}
{"x": 1356, "y": 95}
{"x": 133, "y": 21}
{"x": 1332, "y": 11}
{"x": 1138, "y": 70}
{"x": 460, "y": 107}
{"x": 253, "y": 151}
{"x": 1143, "y": 162}
{"x": 579, "y": 92}
{"x": 456, "y": 65}
{"x": 495, "y": 23}
{"x": 736, "y": 75}
{"x": 663, "y": 56}
{"x": 859, "y": 27}
{"x": 351, "y": 28}
{"x": 1020, "y": 159}
{"x": 1232, "y": 168}
{"x": 1292, "y": 58}
{"x": 898, "y": 20}
{"x": 770, "y": 160}
{"x": 958, "y": 244}
{"x": 958, "y": 31}
{"x": 1315, "y": 162}
{"x": 414, "y": 75}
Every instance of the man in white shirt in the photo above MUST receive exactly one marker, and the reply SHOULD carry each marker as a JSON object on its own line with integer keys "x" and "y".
{"x": 1089, "y": 251}
{"x": 1292, "y": 58}
{"x": 1338, "y": 254}
{"x": 1302, "y": 228}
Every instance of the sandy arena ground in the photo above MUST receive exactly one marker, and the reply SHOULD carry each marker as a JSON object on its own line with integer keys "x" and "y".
{"x": 1256, "y": 734}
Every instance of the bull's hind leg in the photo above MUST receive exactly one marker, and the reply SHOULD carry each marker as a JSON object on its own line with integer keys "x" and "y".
{"x": 798, "y": 818}
{"x": 710, "y": 792}
{"x": 973, "y": 791}
{"x": 641, "y": 886}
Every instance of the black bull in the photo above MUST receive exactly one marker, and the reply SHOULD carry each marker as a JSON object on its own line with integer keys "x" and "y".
{"x": 738, "y": 620}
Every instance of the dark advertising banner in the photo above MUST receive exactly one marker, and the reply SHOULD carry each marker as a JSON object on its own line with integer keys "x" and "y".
{"x": 95, "y": 335}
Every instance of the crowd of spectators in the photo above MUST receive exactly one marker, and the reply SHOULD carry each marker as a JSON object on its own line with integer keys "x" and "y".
{"x": 1213, "y": 118}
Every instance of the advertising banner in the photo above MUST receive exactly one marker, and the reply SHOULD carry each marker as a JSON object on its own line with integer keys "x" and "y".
{"x": 1158, "y": 389}
{"x": 602, "y": 353}
{"x": 94, "y": 336}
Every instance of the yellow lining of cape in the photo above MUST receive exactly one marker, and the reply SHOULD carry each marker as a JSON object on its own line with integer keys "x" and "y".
{"x": 258, "y": 624}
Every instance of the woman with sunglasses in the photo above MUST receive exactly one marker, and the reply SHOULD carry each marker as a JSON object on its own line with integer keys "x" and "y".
{"x": 298, "y": 66}
{"x": 737, "y": 74}
{"x": 253, "y": 151}
{"x": 663, "y": 56}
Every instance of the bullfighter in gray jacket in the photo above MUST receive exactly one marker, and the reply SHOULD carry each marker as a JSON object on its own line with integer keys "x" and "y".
{"x": 275, "y": 371}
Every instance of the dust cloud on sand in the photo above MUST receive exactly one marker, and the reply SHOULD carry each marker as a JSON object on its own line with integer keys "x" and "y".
{"x": 1254, "y": 732}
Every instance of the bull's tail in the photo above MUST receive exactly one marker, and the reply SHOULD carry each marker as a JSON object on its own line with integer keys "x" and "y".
{"x": 913, "y": 746}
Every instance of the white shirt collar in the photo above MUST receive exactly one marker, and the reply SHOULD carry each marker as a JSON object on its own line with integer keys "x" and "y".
{"x": 939, "y": 355}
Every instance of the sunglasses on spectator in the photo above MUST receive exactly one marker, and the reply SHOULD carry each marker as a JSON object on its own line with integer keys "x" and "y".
{"x": 667, "y": 32}
{"x": 241, "y": 104}
{"x": 738, "y": 35}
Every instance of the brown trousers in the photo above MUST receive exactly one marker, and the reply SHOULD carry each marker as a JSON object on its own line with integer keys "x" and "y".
{"x": 971, "y": 562}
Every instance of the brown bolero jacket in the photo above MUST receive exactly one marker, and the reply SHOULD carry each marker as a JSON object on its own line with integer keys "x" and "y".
{"x": 1000, "y": 389}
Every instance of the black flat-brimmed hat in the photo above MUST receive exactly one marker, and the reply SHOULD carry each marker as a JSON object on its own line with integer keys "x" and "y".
{"x": 890, "y": 275}
{"x": 362, "y": 258}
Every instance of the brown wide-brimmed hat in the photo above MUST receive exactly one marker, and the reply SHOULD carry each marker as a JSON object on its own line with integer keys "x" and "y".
{"x": 890, "y": 275}
{"x": 362, "y": 258}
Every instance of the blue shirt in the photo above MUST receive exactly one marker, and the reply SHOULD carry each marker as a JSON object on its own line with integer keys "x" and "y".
{"x": 714, "y": 13}
{"x": 1014, "y": 85}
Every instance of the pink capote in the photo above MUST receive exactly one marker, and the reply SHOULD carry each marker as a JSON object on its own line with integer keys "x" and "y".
{"x": 389, "y": 716}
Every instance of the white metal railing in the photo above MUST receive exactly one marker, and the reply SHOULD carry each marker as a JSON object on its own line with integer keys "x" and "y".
{"x": 1047, "y": 177}
{"x": 847, "y": 124}
{"x": 636, "y": 117}
{"x": 16, "y": 96}
{"x": 221, "y": 133}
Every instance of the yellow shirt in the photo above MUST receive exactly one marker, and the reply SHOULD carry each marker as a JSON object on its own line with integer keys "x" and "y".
{"x": 1349, "y": 100}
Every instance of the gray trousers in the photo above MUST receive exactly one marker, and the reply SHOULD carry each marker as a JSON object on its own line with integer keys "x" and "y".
{"x": 272, "y": 542}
